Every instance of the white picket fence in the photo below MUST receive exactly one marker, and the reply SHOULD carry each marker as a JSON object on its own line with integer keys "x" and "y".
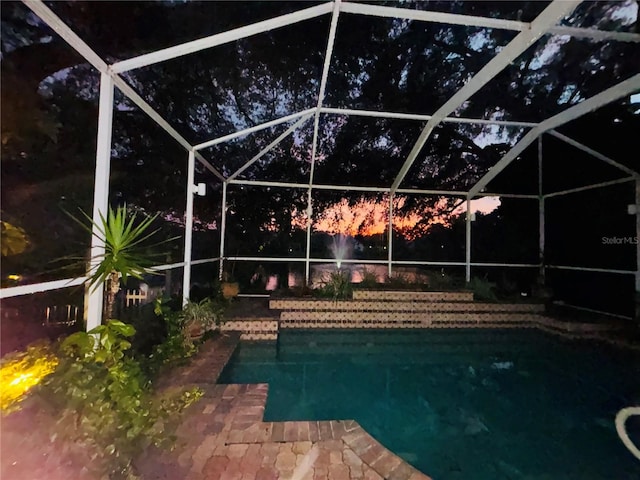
{"x": 60, "y": 315}
{"x": 142, "y": 296}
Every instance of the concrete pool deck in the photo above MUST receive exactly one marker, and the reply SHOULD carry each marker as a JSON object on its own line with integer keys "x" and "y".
{"x": 223, "y": 436}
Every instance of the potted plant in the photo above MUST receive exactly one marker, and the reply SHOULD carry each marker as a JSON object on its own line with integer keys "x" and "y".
{"x": 230, "y": 287}
{"x": 200, "y": 317}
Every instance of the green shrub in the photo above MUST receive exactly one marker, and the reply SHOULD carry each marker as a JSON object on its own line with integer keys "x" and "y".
{"x": 337, "y": 286}
{"x": 103, "y": 400}
{"x": 151, "y": 329}
{"x": 399, "y": 281}
{"x": 482, "y": 289}
{"x": 182, "y": 327}
{"x": 369, "y": 279}
{"x": 441, "y": 280}
{"x": 176, "y": 346}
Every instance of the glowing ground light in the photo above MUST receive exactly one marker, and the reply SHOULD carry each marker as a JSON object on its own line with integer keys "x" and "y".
{"x": 21, "y": 378}
{"x": 21, "y": 373}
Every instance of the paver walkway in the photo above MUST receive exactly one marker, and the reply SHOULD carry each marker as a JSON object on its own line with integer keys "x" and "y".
{"x": 223, "y": 436}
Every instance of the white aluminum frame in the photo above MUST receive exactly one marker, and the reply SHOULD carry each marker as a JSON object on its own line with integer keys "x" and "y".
{"x": 592, "y": 269}
{"x": 589, "y": 187}
{"x": 547, "y": 19}
{"x": 269, "y": 147}
{"x": 622, "y": 89}
{"x": 541, "y": 217}
{"x": 95, "y": 296}
{"x": 188, "y": 227}
{"x": 316, "y": 123}
{"x": 591, "y": 152}
{"x": 637, "y": 235}
{"x": 529, "y": 32}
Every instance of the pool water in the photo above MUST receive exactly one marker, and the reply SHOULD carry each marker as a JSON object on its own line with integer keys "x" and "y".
{"x": 459, "y": 404}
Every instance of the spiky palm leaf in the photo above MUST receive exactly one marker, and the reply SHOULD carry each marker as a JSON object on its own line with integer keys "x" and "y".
{"x": 122, "y": 238}
{"x": 123, "y": 235}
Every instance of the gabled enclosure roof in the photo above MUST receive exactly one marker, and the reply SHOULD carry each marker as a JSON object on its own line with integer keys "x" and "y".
{"x": 529, "y": 31}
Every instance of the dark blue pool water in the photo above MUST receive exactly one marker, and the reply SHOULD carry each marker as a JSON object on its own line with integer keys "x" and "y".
{"x": 480, "y": 405}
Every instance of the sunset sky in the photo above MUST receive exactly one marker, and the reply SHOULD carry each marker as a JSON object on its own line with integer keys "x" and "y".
{"x": 370, "y": 218}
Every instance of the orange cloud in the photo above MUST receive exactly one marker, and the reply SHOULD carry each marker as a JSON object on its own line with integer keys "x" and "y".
{"x": 369, "y": 217}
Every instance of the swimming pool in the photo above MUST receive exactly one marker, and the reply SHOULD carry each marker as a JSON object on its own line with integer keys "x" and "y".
{"x": 457, "y": 404}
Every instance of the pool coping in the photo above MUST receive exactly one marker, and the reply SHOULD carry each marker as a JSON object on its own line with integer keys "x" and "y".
{"x": 221, "y": 431}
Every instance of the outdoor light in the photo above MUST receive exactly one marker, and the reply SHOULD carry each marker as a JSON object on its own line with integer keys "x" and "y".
{"x": 200, "y": 189}
{"x": 632, "y": 209}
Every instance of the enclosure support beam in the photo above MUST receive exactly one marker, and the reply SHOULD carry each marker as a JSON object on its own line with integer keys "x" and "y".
{"x": 357, "y": 113}
{"x": 223, "y": 228}
{"x": 474, "y": 21}
{"x": 383, "y": 262}
{"x": 314, "y": 149}
{"x": 221, "y": 38}
{"x": 593, "y": 152}
{"x": 543, "y": 22}
{"x": 273, "y": 144}
{"x": 390, "y": 239}
{"x": 637, "y": 243}
{"x": 421, "y": 117}
{"x": 593, "y": 269}
{"x": 428, "y": 16}
{"x": 541, "y": 213}
{"x": 609, "y": 95}
{"x": 590, "y": 187}
{"x": 256, "y": 128}
{"x": 69, "y": 36}
{"x": 467, "y": 245}
{"x": 188, "y": 228}
{"x": 94, "y": 300}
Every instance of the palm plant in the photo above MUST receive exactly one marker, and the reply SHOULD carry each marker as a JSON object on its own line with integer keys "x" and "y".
{"x": 124, "y": 256}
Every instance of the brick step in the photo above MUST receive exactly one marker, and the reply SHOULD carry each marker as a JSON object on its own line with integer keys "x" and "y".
{"x": 409, "y": 295}
{"x": 253, "y": 328}
{"x": 401, "y": 306}
{"x": 309, "y": 315}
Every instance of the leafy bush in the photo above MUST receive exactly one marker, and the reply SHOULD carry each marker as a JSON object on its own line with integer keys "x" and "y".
{"x": 399, "y": 281}
{"x": 482, "y": 289}
{"x": 337, "y": 286}
{"x": 176, "y": 345}
{"x": 103, "y": 401}
{"x": 150, "y": 326}
{"x": 183, "y": 327}
{"x": 369, "y": 279}
{"x": 441, "y": 280}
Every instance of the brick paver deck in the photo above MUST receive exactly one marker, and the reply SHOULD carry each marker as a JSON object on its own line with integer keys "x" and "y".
{"x": 223, "y": 436}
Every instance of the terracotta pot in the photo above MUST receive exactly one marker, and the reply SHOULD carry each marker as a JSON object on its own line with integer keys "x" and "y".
{"x": 195, "y": 331}
{"x": 230, "y": 289}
